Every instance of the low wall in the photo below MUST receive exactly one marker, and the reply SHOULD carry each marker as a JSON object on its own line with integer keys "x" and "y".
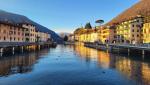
{"x": 118, "y": 49}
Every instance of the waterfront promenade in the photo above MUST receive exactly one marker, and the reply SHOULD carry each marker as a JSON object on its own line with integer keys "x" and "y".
{"x": 12, "y": 47}
{"x": 121, "y": 48}
{"x": 11, "y": 44}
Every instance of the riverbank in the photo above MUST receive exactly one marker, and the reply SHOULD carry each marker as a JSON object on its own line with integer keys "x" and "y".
{"x": 69, "y": 43}
{"x": 7, "y": 48}
{"x": 121, "y": 48}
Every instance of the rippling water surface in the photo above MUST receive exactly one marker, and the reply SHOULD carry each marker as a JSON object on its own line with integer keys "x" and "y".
{"x": 74, "y": 65}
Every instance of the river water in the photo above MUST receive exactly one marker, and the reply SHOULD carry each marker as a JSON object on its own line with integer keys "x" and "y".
{"x": 74, "y": 65}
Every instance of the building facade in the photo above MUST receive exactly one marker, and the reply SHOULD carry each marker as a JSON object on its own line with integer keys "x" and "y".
{"x": 130, "y": 32}
{"x": 88, "y": 35}
{"x": 106, "y": 34}
{"x": 22, "y": 32}
{"x": 146, "y": 30}
{"x": 71, "y": 38}
{"x": 42, "y": 36}
{"x": 11, "y": 33}
{"x": 30, "y": 33}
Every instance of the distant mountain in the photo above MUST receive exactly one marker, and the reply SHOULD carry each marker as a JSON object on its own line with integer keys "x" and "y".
{"x": 63, "y": 34}
{"x": 16, "y": 18}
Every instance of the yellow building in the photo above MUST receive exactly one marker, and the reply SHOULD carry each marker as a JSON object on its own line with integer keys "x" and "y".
{"x": 146, "y": 30}
{"x": 94, "y": 36}
{"x": 86, "y": 35}
{"x": 130, "y": 31}
{"x": 79, "y": 34}
{"x": 82, "y": 37}
{"x": 30, "y": 33}
{"x": 146, "y": 33}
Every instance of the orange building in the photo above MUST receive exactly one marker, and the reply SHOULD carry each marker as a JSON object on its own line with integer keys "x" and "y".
{"x": 22, "y": 32}
{"x": 107, "y": 34}
{"x": 11, "y": 33}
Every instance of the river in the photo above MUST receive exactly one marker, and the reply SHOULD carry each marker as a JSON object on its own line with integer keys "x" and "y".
{"x": 73, "y": 65}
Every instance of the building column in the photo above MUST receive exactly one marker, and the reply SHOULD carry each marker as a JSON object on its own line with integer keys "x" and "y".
{"x": 143, "y": 53}
{"x": 13, "y": 50}
{"x": 1, "y": 51}
{"x": 128, "y": 51}
{"x": 22, "y": 49}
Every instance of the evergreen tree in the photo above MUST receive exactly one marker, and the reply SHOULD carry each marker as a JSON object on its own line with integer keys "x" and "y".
{"x": 88, "y": 26}
{"x": 66, "y": 38}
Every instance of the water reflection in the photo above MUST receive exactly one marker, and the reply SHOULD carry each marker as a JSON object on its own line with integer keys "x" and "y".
{"x": 64, "y": 63}
{"x": 21, "y": 63}
{"x": 129, "y": 66}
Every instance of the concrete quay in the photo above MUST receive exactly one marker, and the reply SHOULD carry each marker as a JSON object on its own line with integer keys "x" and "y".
{"x": 121, "y": 48}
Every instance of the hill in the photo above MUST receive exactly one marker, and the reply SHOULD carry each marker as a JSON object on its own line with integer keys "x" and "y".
{"x": 140, "y": 8}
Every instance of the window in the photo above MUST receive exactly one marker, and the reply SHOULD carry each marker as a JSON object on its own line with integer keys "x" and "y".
{"x": 132, "y": 35}
{"x": 133, "y": 25}
{"x": 133, "y": 30}
{"x": 4, "y": 38}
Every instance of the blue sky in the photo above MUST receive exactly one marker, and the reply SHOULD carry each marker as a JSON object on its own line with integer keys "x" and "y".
{"x": 66, "y": 15}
